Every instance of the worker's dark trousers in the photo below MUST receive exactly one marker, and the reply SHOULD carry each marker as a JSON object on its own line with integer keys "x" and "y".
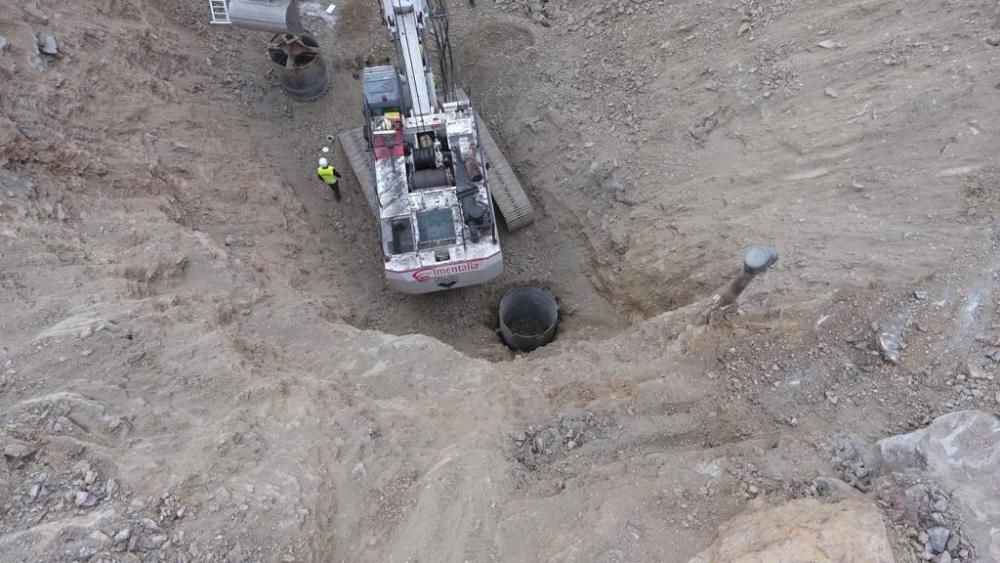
{"x": 336, "y": 190}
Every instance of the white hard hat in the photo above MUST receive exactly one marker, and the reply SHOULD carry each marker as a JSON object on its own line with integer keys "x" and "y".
{"x": 323, "y": 163}
{"x": 326, "y": 150}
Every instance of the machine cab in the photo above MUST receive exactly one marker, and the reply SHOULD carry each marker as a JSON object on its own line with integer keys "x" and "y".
{"x": 382, "y": 93}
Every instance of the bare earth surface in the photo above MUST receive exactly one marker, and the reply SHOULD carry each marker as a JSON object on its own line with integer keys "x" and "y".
{"x": 199, "y": 360}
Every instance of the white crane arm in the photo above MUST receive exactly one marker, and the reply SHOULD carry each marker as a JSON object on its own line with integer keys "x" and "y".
{"x": 406, "y": 20}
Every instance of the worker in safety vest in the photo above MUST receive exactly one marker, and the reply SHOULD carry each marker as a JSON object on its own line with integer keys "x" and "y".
{"x": 329, "y": 175}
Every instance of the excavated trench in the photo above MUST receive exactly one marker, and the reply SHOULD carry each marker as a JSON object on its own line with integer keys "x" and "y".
{"x": 552, "y": 253}
{"x": 543, "y": 255}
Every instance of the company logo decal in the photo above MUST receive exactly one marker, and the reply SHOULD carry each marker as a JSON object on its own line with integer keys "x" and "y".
{"x": 450, "y": 270}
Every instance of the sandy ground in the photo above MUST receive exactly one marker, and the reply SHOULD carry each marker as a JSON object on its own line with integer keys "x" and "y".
{"x": 200, "y": 362}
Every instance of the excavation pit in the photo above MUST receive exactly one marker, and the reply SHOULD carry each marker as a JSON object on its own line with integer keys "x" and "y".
{"x": 529, "y": 317}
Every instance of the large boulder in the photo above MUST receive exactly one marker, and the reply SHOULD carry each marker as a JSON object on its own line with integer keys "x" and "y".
{"x": 961, "y": 451}
{"x": 803, "y": 530}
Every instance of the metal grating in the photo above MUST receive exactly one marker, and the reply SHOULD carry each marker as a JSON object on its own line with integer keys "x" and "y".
{"x": 356, "y": 149}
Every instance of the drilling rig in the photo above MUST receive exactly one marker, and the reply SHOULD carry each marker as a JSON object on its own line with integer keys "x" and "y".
{"x": 427, "y": 165}
{"x": 423, "y": 158}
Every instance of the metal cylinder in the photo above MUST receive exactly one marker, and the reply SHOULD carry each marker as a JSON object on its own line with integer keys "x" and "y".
{"x": 276, "y": 16}
{"x": 756, "y": 260}
{"x": 424, "y": 158}
{"x": 423, "y": 179}
{"x": 529, "y": 317}
{"x": 300, "y": 66}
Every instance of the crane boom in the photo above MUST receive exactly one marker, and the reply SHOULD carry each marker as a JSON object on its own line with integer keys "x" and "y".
{"x": 407, "y": 21}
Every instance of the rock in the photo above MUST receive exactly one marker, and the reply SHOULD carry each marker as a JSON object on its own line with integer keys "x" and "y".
{"x": 945, "y": 557}
{"x": 81, "y": 498}
{"x": 359, "y": 471}
{"x": 620, "y": 240}
{"x": 889, "y": 345}
{"x": 16, "y": 449}
{"x": 35, "y": 490}
{"x": 958, "y": 451}
{"x": 940, "y": 504}
{"x": 993, "y": 41}
{"x": 975, "y": 372}
{"x": 90, "y": 477}
{"x": 123, "y": 535}
{"x": 87, "y": 551}
{"x": 4, "y": 45}
{"x": 937, "y": 538}
{"x": 99, "y": 539}
{"x": 920, "y": 295}
{"x": 540, "y": 19}
{"x": 613, "y": 184}
{"x": 916, "y": 496}
{"x": 834, "y": 489}
{"x": 64, "y": 424}
{"x": 803, "y": 530}
{"x": 47, "y": 43}
{"x": 35, "y": 14}
{"x": 829, "y": 44}
{"x": 110, "y": 487}
{"x": 700, "y": 131}
{"x": 832, "y": 92}
{"x": 953, "y": 542}
{"x": 149, "y": 543}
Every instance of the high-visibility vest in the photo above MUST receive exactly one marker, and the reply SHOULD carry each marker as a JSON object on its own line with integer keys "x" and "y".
{"x": 327, "y": 175}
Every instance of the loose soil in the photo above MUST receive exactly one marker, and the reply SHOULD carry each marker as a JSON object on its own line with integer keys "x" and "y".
{"x": 197, "y": 346}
